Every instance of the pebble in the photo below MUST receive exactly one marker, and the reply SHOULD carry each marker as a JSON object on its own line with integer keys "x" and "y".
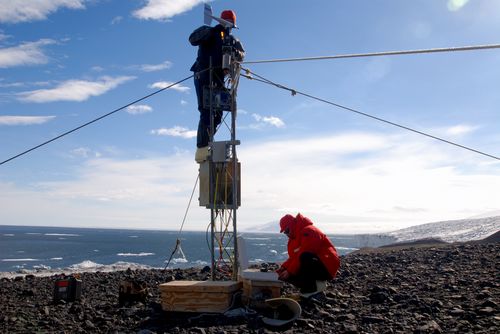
{"x": 444, "y": 289}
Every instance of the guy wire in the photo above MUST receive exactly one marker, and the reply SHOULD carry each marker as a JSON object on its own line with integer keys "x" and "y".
{"x": 294, "y": 92}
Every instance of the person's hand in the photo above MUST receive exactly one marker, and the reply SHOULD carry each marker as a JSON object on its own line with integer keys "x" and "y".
{"x": 283, "y": 275}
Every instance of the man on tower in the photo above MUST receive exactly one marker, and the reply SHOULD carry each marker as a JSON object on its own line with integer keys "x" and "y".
{"x": 210, "y": 42}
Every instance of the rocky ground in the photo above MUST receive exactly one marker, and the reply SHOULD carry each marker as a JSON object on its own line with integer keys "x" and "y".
{"x": 438, "y": 289}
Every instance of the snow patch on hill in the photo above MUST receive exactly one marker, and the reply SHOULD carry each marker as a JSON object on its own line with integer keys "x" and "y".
{"x": 451, "y": 230}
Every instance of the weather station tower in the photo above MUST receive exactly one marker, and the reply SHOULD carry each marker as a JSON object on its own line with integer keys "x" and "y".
{"x": 219, "y": 175}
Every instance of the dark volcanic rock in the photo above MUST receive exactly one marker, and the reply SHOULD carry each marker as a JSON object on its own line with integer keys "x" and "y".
{"x": 440, "y": 289}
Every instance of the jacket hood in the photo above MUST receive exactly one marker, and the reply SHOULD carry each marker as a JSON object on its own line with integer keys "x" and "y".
{"x": 298, "y": 225}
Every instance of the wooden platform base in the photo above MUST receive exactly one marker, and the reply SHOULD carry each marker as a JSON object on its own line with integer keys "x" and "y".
{"x": 198, "y": 296}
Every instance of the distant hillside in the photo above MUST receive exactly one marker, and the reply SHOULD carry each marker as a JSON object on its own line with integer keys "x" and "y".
{"x": 271, "y": 227}
{"x": 486, "y": 215}
{"x": 451, "y": 230}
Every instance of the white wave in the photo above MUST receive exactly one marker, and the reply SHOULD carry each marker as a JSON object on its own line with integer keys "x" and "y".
{"x": 33, "y": 233}
{"x": 87, "y": 264}
{"x": 257, "y": 238}
{"x": 42, "y": 267}
{"x": 227, "y": 248}
{"x": 19, "y": 260}
{"x": 96, "y": 250}
{"x": 121, "y": 265}
{"x": 135, "y": 254}
{"x": 256, "y": 261}
{"x": 90, "y": 266}
{"x": 133, "y": 236}
{"x": 346, "y": 248}
{"x": 272, "y": 251}
{"x": 61, "y": 238}
{"x": 179, "y": 260}
{"x": 63, "y": 234}
{"x": 20, "y": 251}
{"x": 200, "y": 263}
{"x": 84, "y": 266}
{"x": 56, "y": 258}
{"x": 8, "y": 235}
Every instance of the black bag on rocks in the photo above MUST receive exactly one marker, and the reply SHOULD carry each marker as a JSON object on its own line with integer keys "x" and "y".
{"x": 67, "y": 288}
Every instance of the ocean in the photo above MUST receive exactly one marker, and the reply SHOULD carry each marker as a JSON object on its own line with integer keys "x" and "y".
{"x": 29, "y": 249}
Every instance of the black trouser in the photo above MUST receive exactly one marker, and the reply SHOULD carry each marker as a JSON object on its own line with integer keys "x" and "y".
{"x": 202, "y": 79}
{"x": 311, "y": 270}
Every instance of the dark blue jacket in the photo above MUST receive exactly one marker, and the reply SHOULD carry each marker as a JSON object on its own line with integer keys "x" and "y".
{"x": 209, "y": 41}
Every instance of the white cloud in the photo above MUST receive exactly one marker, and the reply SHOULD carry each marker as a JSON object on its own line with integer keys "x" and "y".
{"x": 24, "y": 120}
{"x": 455, "y": 5}
{"x": 22, "y": 84}
{"x": 461, "y": 129}
{"x": 183, "y": 102}
{"x": 176, "y": 131}
{"x": 14, "y": 11}
{"x": 156, "y": 67}
{"x": 3, "y": 36}
{"x": 109, "y": 192}
{"x": 139, "y": 109}
{"x": 271, "y": 120}
{"x": 74, "y": 90}
{"x": 116, "y": 20}
{"x": 377, "y": 69}
{"x": 85, "y": 152}
{"x": 163, "y": 84}
{"x": 351, "y": 182}
{"x": 421, "y": 30}
{"x": 360, "y": 182}
{"x": 164, "y": 9}
{"x": 30, "y": 53}
{"x": 81, "y": 152}
{"x": 12, "y": 84}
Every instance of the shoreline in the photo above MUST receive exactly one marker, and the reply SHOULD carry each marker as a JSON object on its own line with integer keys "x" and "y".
{"x": 438, "y": 289}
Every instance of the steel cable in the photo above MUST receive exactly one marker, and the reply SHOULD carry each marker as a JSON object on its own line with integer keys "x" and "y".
{"x": 94, "y": 120}
{"x": 294, "y": 92}
{"x": 378, "y": 54}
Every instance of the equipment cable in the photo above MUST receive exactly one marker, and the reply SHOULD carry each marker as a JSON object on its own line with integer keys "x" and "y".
{"x": 95, "y": 120}
{"x": 377, "y": 54}
{"x": 294, "y": 92}
{"x": 178, "y": 240}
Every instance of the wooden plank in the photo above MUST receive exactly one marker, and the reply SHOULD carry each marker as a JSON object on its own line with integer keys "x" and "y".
{"x": 198, "y": 296}
{"x": 196, "y": 301}
{"x": 201, "y": 286}
{"x": 278, "y": 284}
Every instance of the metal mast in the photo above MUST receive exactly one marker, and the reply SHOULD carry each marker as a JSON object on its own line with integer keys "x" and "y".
{"x": 220, "y": 175}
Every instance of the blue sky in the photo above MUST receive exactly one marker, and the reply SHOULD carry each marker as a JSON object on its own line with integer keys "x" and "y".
{"x": 65, "y": 62}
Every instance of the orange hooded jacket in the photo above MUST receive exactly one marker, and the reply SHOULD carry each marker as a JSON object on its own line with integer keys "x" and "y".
{"x": 304, "y": 237}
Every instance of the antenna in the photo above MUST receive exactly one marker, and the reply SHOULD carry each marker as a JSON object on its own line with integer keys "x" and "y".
{"x": 207, "y": 14}
{"x": 208, "y": 17}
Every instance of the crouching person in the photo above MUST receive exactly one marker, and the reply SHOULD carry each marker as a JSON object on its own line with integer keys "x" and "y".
{"x": 312, "y": 258}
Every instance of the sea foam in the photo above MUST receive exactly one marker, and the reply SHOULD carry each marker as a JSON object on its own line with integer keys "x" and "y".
{"x": 135, "y": 254}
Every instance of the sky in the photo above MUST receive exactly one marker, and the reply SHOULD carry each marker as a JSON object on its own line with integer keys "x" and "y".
{"x": 66, "y": 62}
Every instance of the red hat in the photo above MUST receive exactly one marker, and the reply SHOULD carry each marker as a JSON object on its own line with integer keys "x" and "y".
{"x": 286, "y": 221}
{"x": 228, "y": 15}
